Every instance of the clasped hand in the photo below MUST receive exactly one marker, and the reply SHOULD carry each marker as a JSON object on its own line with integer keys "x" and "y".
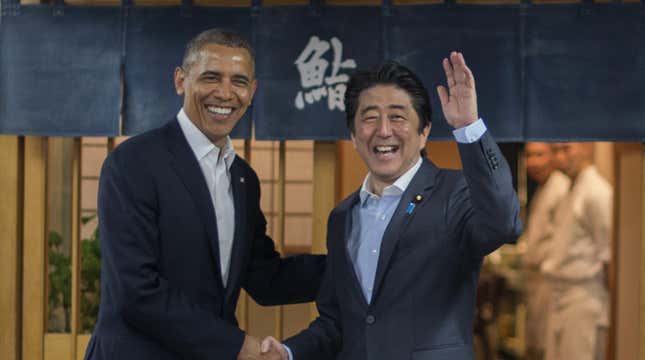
{"x": 268, "y": 349}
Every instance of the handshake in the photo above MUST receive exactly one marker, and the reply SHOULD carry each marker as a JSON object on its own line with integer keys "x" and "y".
{"x": 269, "y": 349}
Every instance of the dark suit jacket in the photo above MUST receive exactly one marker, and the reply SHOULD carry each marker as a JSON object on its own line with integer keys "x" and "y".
{"x": 424, "y": 291}
{"x": 162, "y": 296}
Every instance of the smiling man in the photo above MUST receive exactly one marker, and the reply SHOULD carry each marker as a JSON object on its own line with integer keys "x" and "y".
{"x": 405, "y": 250}
{"x": 181, "y": 226}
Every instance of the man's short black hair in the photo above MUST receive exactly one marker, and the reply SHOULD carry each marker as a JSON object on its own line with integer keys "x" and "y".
{"x": 389, "y": 73}
{"x": 224, "y": 37}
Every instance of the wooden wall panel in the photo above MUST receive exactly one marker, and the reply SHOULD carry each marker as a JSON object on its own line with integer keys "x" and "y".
{"x": 10, "y": 246}
{"x": 58, "y": 347}
{"x": 351, "y": 170}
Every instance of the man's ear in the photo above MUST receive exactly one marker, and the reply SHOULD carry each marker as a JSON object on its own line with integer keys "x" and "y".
{"x": 424, "y": 136}
{"x": 180, "y": 76}
{"x": 254, "y": 86}
{"x": 351, "y": 135}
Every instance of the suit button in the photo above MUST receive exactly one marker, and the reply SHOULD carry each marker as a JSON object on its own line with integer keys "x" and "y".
{"x": 370, "y": 319}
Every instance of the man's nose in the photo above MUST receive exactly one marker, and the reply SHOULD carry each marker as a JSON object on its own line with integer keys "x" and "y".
{"x": 384, "y": 128}
{"x": 224, "y": 90}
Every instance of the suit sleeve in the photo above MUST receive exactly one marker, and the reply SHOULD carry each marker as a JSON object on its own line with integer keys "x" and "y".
{"x": 142, "y": 297}
{"x": 323, "y": 338}
{"x": 483, "y": 210}
{"x": 272, "y": 280}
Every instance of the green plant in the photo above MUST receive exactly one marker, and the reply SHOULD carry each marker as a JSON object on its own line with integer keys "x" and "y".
{"x": 60, "y": 278}
{"x": 90, "y": 278}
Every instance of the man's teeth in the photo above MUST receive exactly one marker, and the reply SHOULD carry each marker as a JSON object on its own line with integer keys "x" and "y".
{"x": 385, "y": 149}
{"x": 219, "y": 110}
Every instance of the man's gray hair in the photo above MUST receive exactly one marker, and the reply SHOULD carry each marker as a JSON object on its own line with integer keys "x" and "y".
{"x": 224, "y": 37}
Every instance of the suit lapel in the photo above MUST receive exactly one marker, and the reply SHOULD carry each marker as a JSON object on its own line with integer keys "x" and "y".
{"x": 422, "y": 184}
{"x": 238, "y": 182}
{"x": 187, "y": 169}
{"x": 344, "y": 231}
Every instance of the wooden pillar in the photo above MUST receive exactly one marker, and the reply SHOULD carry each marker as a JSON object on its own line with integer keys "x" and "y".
{"x": 642, "y": 257}
{"x": 626, "y": 253}
{"x": 324, "y": 196}
{"x": 10, "y": 159}
{"x": 34, "y": 249}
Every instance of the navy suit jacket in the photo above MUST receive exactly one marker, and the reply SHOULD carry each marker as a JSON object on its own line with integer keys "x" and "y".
{"x": 162, "y": 295}
{"x": 423, "y": 301}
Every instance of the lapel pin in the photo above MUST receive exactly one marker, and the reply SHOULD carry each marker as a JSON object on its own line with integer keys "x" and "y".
{"x": 242, "y": 179}
{"x": 410, "y": 208}
{"x": 417, "y": 199}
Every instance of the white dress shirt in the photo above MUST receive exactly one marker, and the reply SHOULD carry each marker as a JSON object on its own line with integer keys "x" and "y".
{"x": 215, "y": 164}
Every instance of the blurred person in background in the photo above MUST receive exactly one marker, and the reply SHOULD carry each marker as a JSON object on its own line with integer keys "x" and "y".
{"x": 577, "y": 265}
{"x": 553, "y": 185}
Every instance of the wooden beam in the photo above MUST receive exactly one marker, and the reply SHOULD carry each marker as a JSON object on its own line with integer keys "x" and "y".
{"x": 10, "y": 247}
{"x": 75, "y": 322}
{"x": 34, "y": 249}
{"x": 281, "y": 231}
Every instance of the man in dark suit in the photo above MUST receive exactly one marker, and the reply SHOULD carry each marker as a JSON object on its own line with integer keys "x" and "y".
{"x": 405, "y": 251}
{"x": 181, "y": 226}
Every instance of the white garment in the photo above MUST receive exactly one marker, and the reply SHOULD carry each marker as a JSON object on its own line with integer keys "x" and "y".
{"x": 575, "y": 270}
{"x": 215, "y": 165}
{"x": 538, "y": 236}
{"x": 539, "y": 230}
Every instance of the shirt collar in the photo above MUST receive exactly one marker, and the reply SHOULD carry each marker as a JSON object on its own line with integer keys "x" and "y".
{"x": 397, "y": 188}
{"x": 200, "y": 144}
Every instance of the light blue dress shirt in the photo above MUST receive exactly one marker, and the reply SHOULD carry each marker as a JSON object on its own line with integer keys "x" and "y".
{"x": 370, "y": 218}
{"x": 372, "y": 214}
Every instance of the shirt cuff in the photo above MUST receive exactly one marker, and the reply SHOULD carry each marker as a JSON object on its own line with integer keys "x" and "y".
{"x": 288, "y": 351}
{"x": 471, "y": 133}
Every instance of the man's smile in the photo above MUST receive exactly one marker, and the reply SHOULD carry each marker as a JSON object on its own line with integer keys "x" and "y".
{"x": 384, "y": 149}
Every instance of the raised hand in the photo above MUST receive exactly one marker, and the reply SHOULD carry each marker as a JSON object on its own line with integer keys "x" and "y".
{"x": 459, "y": 101}
{"x": 272, "y": 349}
